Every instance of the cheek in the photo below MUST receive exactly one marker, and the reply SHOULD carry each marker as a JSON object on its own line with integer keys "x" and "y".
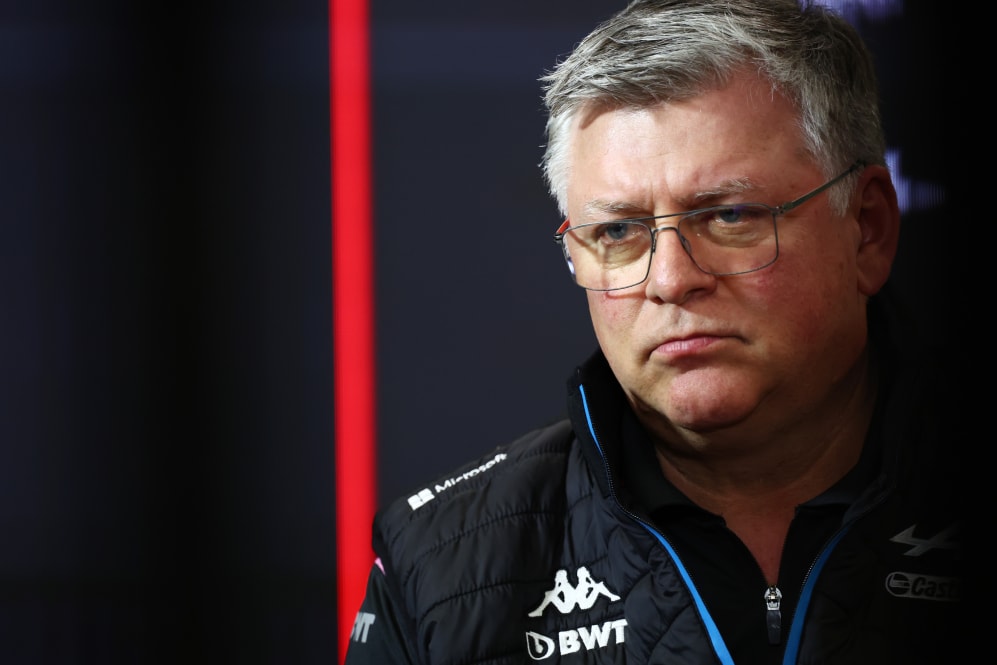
{"x": 824, "y": 260}
{"x": 612, "y": 315}
{"x": 809, "y": 297}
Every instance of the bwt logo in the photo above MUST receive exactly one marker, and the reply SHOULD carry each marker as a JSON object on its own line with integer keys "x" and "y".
{"x": 541, "y": 647}
{"x": 361, "y": 626}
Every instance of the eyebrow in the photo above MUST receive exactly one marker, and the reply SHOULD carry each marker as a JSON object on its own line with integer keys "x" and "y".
{"x": 726, "y": 188}
{"x": 700, "y": 199}
{"x": 601, "y": 207}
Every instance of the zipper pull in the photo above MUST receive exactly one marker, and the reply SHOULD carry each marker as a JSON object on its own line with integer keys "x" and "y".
{"x": 773, "y": 616}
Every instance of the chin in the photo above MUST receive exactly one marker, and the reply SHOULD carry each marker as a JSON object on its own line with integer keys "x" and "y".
{"x": 706, "y": 407}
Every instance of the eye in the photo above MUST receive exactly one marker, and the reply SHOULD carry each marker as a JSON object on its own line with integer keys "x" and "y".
{"x": 617, "y": 240}
{"x": 734, "y": 215}
{"x": 734, "y": 225}
{"x": 731, "y": 215}
{"x": 728, "y": 216}
{"x": 618, "y": 231}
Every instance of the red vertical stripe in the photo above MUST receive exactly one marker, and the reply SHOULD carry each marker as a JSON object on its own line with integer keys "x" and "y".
{"x": 353, "y": 303}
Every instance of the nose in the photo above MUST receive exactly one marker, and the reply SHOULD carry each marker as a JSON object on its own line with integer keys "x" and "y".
{"x": 674, "y": 276}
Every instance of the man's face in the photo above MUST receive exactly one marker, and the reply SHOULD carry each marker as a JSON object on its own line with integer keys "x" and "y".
{"x": 709, "y": 353}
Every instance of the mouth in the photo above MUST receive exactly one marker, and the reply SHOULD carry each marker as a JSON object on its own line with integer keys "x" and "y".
{"x": 690, "y": 346}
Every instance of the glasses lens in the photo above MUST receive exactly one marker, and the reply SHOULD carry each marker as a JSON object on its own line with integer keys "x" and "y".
{"x": 608, "y": 255}
{"x": 724, "y": 240}
{"x": 730, "y": 240}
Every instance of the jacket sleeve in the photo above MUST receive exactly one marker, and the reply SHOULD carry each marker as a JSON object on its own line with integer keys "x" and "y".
{"x": 379, "y": 634}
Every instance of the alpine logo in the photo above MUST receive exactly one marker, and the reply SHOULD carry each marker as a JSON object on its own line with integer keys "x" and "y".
{"x": 941, "y": 540}
{"x": 567, "y": 598}
{"x": 425, "y": 495}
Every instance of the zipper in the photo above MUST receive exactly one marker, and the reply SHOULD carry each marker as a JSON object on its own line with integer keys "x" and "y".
{"x": 773, "y": 614}
{"x": 773, "y": 602}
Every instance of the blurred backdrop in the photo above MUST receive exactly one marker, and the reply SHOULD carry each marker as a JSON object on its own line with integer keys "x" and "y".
{"x": 166, "y": 452}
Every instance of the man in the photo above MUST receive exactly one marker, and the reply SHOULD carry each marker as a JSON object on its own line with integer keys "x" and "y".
{"x": 750, "y": 472}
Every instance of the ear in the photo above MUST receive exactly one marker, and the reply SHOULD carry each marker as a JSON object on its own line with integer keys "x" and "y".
{"x": 878, "y": 216}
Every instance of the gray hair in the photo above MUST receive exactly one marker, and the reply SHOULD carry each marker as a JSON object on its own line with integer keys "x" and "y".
{"x": 656, "y": 51}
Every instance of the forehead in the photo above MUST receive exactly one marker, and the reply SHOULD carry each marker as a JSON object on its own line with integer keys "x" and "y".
{"x": 744, "y": 130}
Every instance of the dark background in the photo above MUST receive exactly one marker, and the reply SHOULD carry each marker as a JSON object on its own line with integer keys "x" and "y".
{"x": 166, "y": 414}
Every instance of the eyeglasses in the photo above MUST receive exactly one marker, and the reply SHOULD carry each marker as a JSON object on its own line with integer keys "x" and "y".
{"x": 720, "y": 240}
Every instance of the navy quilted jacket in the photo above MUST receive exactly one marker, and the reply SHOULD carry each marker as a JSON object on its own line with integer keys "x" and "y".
{"x": 527, "y": 555}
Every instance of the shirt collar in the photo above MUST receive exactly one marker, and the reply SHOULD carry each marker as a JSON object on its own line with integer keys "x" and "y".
{"x": 647, "y": 489}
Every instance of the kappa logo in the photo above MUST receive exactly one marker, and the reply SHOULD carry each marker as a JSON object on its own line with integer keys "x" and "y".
{"x": 566, "y": 598}
{"x": 941, "y": 541}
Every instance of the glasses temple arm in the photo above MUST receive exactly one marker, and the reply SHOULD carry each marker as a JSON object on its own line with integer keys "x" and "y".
{"x": 786, "y": 207}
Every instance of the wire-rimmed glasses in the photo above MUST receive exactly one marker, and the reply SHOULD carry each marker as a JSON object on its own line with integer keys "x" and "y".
{"x": 721, "y": 240}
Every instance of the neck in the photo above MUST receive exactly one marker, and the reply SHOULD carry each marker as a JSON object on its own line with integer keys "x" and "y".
{"x": 756, "y": 478}
{"x": 789, "y": 461}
